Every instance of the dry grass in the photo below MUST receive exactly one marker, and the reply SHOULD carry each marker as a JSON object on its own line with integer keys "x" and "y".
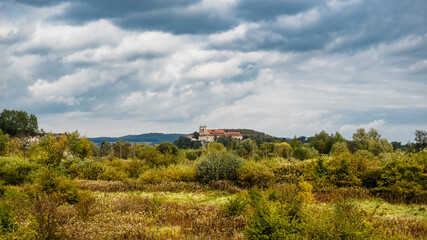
{"x": 121, "y": 216}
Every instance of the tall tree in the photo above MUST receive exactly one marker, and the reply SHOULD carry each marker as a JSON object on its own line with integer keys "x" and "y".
{"x": 322, "y": 142}
{"x": 420, "y": 140}
{"x": 15, "y": 123}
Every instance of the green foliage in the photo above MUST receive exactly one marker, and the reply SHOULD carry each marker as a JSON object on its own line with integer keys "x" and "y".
{"x": 106, "y": 148}
{"x": 339, "y": 148}
{"x": 268, "y": 222}
{"x": 51, "y": 150}
{"x": 342, "y": 174}
{"x": 218, "y": 165}
{"x": 246, "y": 148}
{"x": 193, "y": 154}
{"x": 302, "y": 153}
{"x": 15, "y": 123}
{"x": 371, "y": 141}
{"x": 51, "y": 183}
{"x": 322, "y": 142}
{"x": 121, "y": 149}
{"x": 255, "y": 174}
{"x": 15, "y": 171}
{"x": 79, "y": 146}
{"x": 4, "y": 143}
{"x": 420, "y": 140}
{"x": 254, "y": 135}
{"x": 404, "y": 180}
{"x": 235, "y": 206}
{"x": 167, "y": 148}
{"x": 7, "y": 222}
{"x": 276, "y": 218}
{"x": 110, "y": 173}
{"x": 184, "y": 142}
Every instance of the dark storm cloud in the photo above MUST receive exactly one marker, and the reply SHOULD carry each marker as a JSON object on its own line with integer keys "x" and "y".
{"x": 338, "y": 29}
{"x": 171, "y": 16}
{"x": 256, "y": 10}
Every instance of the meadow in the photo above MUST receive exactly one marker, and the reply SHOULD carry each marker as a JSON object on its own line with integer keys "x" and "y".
{"x": 64, "y": 188}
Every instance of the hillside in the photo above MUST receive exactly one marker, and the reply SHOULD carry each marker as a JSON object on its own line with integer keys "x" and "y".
{"x": 151, "y": 138}
{"x": 256, "y": 135}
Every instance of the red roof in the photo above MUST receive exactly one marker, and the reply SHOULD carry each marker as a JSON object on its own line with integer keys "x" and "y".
{"x": 233, "y": 133}
{"x": 216, "y": 131}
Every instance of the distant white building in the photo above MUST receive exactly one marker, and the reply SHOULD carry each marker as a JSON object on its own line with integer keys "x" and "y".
{"x": 209, "y": 135}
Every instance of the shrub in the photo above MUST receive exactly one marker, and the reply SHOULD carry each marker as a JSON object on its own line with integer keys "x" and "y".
{"x": 345, "y": 222}
{"x": 293, "y": 171}
{"x": 255, "y": 174}
{"x": 110, "y": 173}
{"x": 218, "y": 165}
{"x": 370, "y": 178}
{"x": 7, "y": 223}
{"x": 15, "y": 171}
{"x": 235, "y": 206}
{"x": 90, "y": 170}
{"x": 51, "y": 183}
{"x": 403, "y": 181}
{"x": 193, "y": 154}
{"x": 271, "y": 220}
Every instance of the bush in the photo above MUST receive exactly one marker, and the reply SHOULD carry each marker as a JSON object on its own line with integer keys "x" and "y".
{"x": 7, "y": 223}
{"x": 15, "y": 171}
{"x": 403, "y": 181}
{"x": 255, "y": 174}
{"x": 218, "y": 165}
{"x": 302, "y": 153}
{"x": 110, "y": 173}
{"x": 90, "y": 170}
{"x": 193, "y": 154}
{"x": 235, "y": 206}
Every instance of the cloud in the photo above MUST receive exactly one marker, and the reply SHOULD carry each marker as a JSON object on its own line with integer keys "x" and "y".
{"x": 69, "y": 87}
{"x": 285, "y": 67}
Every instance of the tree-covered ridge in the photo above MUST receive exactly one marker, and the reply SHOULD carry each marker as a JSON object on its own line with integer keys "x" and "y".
{"x": 255, "y": 135}
{"x": 152, "y": 138}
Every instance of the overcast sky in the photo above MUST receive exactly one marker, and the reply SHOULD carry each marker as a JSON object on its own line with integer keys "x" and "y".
{"x": 285, "y": 67}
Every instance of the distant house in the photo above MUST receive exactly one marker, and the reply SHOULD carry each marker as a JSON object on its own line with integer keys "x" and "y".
{"x": 209, "y": 135}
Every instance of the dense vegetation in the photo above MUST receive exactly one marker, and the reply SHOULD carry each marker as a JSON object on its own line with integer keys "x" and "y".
{"x": 63, "y": 186}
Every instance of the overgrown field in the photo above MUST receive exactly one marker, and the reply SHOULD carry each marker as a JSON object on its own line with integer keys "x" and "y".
{"x": 57, "y": 189}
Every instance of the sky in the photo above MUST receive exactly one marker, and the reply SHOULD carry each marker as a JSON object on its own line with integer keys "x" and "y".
{"x": 284, "y": 67}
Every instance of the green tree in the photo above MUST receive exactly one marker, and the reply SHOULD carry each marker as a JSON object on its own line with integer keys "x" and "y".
{"x": 121, "y": 149}
{"x": 15, "y": 123}
{"x": 420, "y": 140}
{"x": 322, "y": 142}
{"x": 167, "y": 148}
{"x": 186, "y": 143}
{"x": 79, "y": 146}
{"x": 371, "y": 141}
{"x": 106, "y": 148}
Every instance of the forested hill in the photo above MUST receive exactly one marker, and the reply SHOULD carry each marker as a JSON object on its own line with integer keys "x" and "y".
{"x": 151, "y": 138}
{"x": 256, "y": 135}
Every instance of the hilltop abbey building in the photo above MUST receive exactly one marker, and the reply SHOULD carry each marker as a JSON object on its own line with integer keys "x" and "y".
{"x": 209, "y": 135}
